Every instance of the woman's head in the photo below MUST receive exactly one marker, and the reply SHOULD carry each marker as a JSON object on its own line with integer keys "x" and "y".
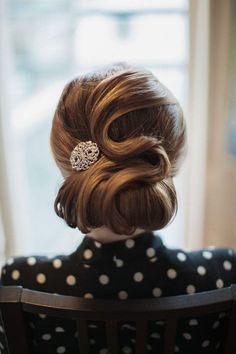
{"x": 139, "y": 128}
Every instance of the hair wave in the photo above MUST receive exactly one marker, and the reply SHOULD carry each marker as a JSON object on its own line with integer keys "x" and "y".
{"x": 139, "y": 127}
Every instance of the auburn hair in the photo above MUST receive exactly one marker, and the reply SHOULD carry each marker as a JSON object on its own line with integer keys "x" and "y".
{"x": 140, "y": 130}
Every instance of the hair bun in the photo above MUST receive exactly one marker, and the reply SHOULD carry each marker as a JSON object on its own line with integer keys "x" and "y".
{"x": 139, "y": 128}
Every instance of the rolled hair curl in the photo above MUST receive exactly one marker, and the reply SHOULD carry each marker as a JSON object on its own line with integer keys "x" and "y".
{"x": 139, "y": 128}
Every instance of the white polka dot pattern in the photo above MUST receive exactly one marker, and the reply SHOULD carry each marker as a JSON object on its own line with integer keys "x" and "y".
{"x": 31, "y": 261}
{"x": 150, "y": 252}
{"x": 118, "y": 262}
{"x": 190, "y": 289}
{"x": 128, "y": 326}
{"x": 201, "y": 270}
{"x": 46, "y": 336}
{"x": 86, "y": 266}
{"x": 42, "y": 316}
{"x": 181, "y": 256}
{"x": 124, "y": 271}
{"x": 129, "y": 243}
{"x": 98, "y": 244}
{"x": 171, "y": 273}
{"x": 205, "y": 343}
{"x": 41, "y": 278}
{"x": 123, "y": 295}
{"x": 71, "y": 280}
{"x": 15, "y": 274}
{"x": 216, "y": 324}
{"x": 193, "y": 322}
{"x": 88, "y": 254}
{"x": 104, "y": 279}
{"x": 219, "y": 283}
{"x": 57, "y": 263}
{"x": 138, "y": 277}
{"x": 207, "y": 254}
{"x": 1, "y": 347}
{"x": 59, "y": 329}
{"x": 222, "y": 314}
{"x": 227, "y": 265}
{"x": 187, "y": 336}
{"x": 157, "y": 292}
{"x": 92, "y": 326}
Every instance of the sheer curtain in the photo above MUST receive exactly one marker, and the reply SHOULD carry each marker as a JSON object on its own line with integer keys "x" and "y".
{"x": 220, "y": 223}
{"x": 199, "y": 20}
{"x": 45, "y": 45}
{"x": 6, "y": 148}
{"x": 211, "y": 202}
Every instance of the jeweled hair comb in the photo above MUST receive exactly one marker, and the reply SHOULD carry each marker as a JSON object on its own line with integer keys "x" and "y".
{"x": 84, "y": 155}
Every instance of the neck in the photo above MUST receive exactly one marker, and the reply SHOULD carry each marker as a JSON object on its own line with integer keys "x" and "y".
{"x": 105, "y": 235}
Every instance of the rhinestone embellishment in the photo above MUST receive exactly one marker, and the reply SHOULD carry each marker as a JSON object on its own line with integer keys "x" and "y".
{"x": 84, "y": 155}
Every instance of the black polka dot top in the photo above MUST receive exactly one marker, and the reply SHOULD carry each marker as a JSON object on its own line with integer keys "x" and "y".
{"x": 140, "y": 267}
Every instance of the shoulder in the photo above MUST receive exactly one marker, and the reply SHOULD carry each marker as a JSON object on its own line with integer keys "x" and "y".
{"x": 206, "y": 268}
{"x": 209, "y": 255}
{"x": 223, "y": 257}
{"x": 33, "y": 272}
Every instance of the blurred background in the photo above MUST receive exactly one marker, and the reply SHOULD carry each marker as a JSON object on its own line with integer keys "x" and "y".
{"x": 189, "y": 45}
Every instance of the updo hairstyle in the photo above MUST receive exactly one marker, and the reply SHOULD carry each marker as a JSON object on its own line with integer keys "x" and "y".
{"x": 139, "y": 128}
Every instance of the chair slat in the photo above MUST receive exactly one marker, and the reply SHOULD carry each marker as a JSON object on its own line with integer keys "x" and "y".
{"x": 141, "y": 336}
{"x": 112, "y": 336}
{"x": 230, "y": 345}
{"x": 14, "y": 325}
{"x": 170, "y": 335}
{"x": 82, "y": 328}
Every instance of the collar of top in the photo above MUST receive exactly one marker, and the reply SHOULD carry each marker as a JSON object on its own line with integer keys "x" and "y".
{"x": 144, "y": 244}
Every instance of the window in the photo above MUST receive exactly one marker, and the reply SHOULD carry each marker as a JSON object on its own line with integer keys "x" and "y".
{"x": 50, "y": 42}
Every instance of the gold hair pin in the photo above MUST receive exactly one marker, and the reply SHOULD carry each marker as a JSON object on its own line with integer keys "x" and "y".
{"x": 84, "y": 155}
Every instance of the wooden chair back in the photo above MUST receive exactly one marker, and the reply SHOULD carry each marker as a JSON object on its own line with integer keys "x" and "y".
{"x": 14, "y": 301}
